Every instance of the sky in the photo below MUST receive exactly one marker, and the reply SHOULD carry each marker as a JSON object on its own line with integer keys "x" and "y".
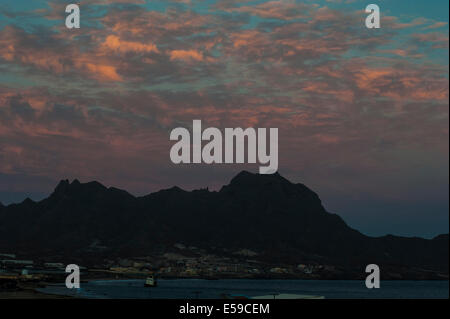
{"x": 362, "y": 113}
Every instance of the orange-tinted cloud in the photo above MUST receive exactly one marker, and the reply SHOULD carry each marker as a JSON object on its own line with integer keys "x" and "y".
{"x": 186, "y": 55}
{"x": 114, "y": 43}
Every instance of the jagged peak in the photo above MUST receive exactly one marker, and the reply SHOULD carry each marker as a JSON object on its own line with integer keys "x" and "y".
{"x": 252, "y": 183}
{"x": 63, "y": 183}
{"x": 93, "y": 184}
{"x": 65, "y": 187}
{"x": 246, "y": 177}
{"x": 175, "y": 189}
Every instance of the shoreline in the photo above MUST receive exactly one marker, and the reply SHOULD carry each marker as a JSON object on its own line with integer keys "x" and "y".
{"x": 33, "y": 293}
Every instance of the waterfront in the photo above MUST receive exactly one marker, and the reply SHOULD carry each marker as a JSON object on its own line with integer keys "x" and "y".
{"x": 207, "y": 289}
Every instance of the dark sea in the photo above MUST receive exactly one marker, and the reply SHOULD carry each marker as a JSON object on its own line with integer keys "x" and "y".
{"x": 207, "y": 289}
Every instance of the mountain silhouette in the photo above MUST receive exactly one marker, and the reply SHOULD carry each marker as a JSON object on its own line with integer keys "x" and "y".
{"x": 280, "y": 220}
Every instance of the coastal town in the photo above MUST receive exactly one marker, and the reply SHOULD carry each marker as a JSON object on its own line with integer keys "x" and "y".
{"x": 181, "y": 261}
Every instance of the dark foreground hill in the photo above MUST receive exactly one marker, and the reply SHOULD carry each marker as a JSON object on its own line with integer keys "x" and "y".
{"x": 267, "y": 214}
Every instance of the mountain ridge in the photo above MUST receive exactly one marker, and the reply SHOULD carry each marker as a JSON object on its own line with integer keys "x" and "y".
{"x": 268, "y": 214}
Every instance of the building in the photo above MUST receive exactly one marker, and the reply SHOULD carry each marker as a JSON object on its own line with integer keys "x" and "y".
{"x": 15, "y": 262}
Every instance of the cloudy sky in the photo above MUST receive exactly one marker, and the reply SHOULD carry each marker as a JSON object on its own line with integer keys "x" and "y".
{"x": 362, "y": 114}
